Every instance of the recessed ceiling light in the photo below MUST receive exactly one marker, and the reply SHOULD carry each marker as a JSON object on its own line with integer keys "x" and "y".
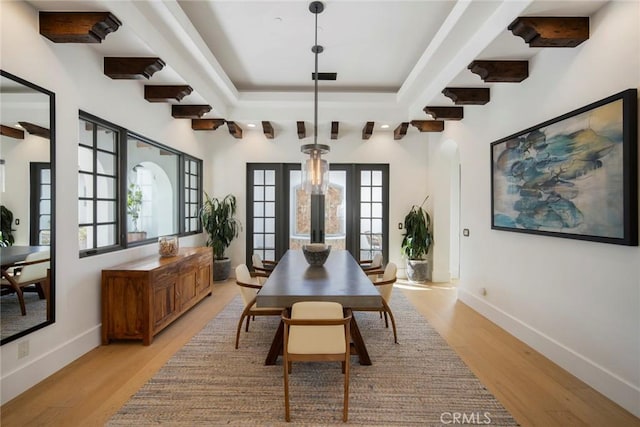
{"x": 251, "y": 125}
{"x": 384, "y": 127}
{"x": 18, "y": 125}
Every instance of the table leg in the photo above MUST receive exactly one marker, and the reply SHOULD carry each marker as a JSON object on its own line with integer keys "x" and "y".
{"x": 358, "y": 343}
{"x": 276, "y": 346}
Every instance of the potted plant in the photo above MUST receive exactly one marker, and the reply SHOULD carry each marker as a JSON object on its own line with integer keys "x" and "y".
{"x": 134, "y": 205}
{"x": 416, "y": 242}
{"x": 6, "y": 232}
{"x": 217, "y": 217}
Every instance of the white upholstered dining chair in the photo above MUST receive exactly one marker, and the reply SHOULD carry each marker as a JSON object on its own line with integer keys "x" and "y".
{"x": 249, "y": 288}
{"x": 31, "y": 271}
{"x": 316, "y": 331}
{"x": 383, "y": 280}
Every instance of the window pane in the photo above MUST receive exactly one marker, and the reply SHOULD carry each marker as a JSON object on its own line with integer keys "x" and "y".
{"x": 376, "y": 225}
{"x": 85, "y": 133}
{"x": 106, "y": 163}
{"x": 45, "y": 176}
{"x": 376, "y": 210}
{"x": 45, "y": 222}
{"x": 270, "y": 225}
{"x": 269, "y": 209}
{"x": 258, "y": 209}
{"x": 194, "y": 224}
{"x": 270, "y": 193}
{"x": 270, "y": 176}
{"x": 106, "y": 139}
{"x": 85, "y": 185}
{"x": 365, "y": 194}
{"x": 45, "y": 206}
{"x": 258, "y": 177}
{"x": 258, "y": 192}
{"x": 258, "y": 241}
{"x": 106, "y": 211}
{"x": 193, "y": 196}
{"x": 365, "y": 209}
{"x": 45, "y": 191}
{"x": 85, "y": 211}
{"x": 365, "y": 225}
{"x": 376, "y": 194}
{"x": 270, "y": 255}
{"x": 269, "y": 240}
{"x": 365, "y": 178}
{"x": 194, "y": 181}
{"x": 85, "y": 159}
{"x": 257, "y": 225}
{"x": 106, "y": 235}
{"x": 106, "y": 188}
{"x": 377, "y": 177}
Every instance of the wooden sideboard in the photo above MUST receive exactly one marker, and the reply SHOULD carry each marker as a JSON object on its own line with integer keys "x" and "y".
{"x": 142, "y": 297}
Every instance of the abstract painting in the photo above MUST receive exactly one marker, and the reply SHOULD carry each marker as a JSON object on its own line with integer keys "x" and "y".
{"x": 574, "y": 176}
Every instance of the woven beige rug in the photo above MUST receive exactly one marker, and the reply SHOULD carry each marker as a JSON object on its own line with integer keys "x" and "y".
{"x": 420, "y": 381}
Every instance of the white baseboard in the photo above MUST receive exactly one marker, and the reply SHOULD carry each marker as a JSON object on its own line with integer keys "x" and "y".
{"x": 26, "y": 376}
{"x": 615, "y": 388}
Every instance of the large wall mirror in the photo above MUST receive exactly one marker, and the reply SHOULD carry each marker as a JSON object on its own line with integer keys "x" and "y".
{"x": 27, "y": 147}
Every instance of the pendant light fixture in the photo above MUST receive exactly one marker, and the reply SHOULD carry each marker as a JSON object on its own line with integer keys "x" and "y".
{"x": 315, "y": 169}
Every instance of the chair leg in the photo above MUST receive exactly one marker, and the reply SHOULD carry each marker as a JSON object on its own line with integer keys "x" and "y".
{"x": 238, "y": 330}
{"x": 245, "y": 313}
{"x": 286, "y": 366}
{"x": 247, "y": 327}
{"x": 23, "y": 307}
{"x": 345, "y": 411}
{"x": 386, "y": 320}
{"x": 393, "y": 322}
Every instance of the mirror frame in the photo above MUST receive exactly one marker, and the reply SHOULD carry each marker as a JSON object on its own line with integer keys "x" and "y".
{"x": 52, "y": 161}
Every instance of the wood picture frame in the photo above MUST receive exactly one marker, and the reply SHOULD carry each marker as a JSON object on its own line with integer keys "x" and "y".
{"x": 574, "y": 176}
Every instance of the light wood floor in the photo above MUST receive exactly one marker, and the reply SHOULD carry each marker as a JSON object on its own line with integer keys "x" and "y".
{"x": 533, "y": 389}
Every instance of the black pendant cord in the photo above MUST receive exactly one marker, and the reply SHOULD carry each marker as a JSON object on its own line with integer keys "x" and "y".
{"x": 315, "y": 113}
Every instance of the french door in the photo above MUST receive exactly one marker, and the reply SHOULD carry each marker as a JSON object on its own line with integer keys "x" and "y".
{"x": 352, "y": 215}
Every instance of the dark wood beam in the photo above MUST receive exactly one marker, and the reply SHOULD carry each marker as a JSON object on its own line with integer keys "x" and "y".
{"x": 36, "y": 130}
{"x": 367, "y": 130}
{"x": 206, "y": 124}
{"x": 428, "y": 125}
{"x": 234, "y": 130}
{"x": 166, "y": 93}
{"x": 268, "y": 130}
{"x": 131, "y": 68}
{"x": 335, "y": 128}
{"x": 77, "y": 27}
{"x": 189, "y": 111}
{"x": 400, "y": 131}
{"x": 501, "y": 71}
{"x": 11, "y": 132}
{"x": 445, "y": 113}
{"x": 467, "y": 95}
{"x": 551, "y": 31}
{"x": 302, "y": 131}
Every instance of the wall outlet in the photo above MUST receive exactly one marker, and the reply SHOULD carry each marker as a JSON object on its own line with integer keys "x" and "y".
{"x": 23, "y": 349}
{"x": 483, "y": 292}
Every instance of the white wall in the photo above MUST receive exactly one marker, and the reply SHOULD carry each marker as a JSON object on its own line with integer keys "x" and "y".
{"x": 576, "y": 302}
{"x": 406, "y": 158}
{"x": 74, "y": 73}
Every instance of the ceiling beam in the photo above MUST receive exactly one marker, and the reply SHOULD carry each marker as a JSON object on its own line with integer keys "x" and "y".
{"x": 206, "y": 124}
{"x": 234, "y": 130}
{"x": 501, "y": 71}
{"x": 335, "y": 126}
{"x": 400, "y": 131}
{"x": 11, "y": 132}
{"x": 131, "y": 68}
{"x": 551, "y": 31}
{"x": 189, "y": 111}
{"x": 445, "y": 113}
{"x": 467, "y": 95}
{"x": 367, "y": 130}
{"x": 166, "y": 93}
{"x": 36, "y": 130}
{"x": 302, "y": 131}
{"x": 77, "y": 27}
{"x": 428, "y": 125}
{"x": 268, "y": 130}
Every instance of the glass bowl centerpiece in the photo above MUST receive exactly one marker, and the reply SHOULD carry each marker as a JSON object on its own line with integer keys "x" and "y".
{"x": 316, "y": 253}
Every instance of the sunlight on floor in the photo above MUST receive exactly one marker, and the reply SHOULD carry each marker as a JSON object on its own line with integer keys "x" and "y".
{"x": 405, "y": 284}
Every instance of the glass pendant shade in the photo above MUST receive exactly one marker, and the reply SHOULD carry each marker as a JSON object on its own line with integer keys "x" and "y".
{"x": 315, "y": 173}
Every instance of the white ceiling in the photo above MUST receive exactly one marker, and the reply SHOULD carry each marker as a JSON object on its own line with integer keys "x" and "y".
{"x": 252, "y": 60}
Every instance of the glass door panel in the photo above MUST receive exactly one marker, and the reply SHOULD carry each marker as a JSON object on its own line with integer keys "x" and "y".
{"x": 335, "y": 207}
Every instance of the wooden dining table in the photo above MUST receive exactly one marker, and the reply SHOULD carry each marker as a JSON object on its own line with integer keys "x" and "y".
{"x": 340, "y": 279}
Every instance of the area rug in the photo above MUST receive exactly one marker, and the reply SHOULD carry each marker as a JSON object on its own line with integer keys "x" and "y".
{"x": 11, "y": 319}
{"x": 420, "y": 381}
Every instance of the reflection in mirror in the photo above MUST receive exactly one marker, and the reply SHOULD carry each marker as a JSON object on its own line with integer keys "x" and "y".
{"x": 27, "y": 181}
{"x": 152, "y": 197}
